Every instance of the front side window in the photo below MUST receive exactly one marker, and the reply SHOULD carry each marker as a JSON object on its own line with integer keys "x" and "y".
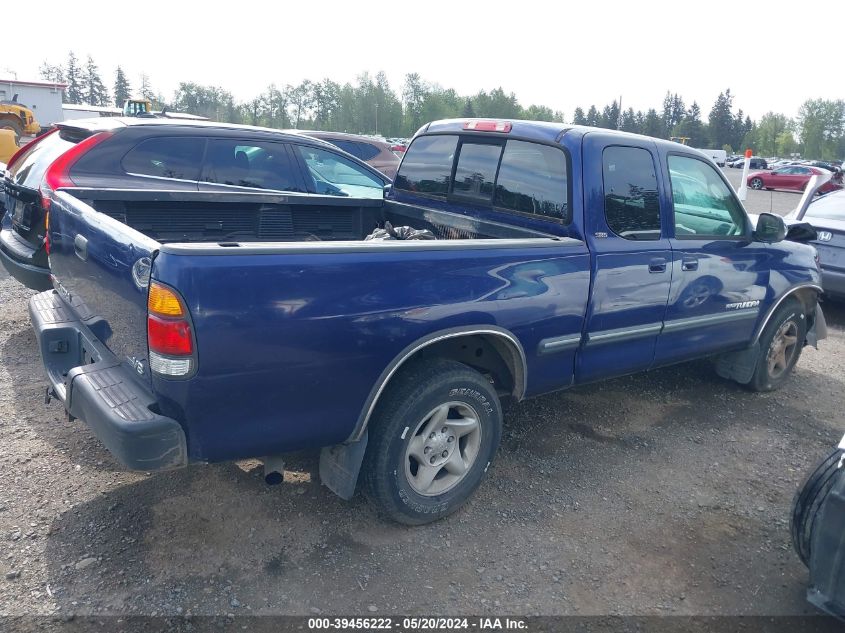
{"x": 631, "y": 205}
{"x": 334, "y": 175}
{"x": 704, "y": 206}
{"x": 533, "y": 179}
{"x": 166, "y": 157}
{"x": 476, "y": 171}
{"x": 254, "y": 164}
{"x": 427, "y": 165}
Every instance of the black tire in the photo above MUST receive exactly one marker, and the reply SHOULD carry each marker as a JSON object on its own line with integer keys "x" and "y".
{"x": 400, "y": 417}
{"x": 764, "y": 378}
{"x": 10, "y": 124}
{"x": 756, "y": 183}
{"x": 808, "y": 501}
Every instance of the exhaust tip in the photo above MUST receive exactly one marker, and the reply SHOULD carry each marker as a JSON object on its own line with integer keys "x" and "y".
{"x": 273, "y": 478}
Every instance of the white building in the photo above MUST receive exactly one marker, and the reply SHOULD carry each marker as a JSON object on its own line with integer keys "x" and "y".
{"x": 42, "y": 97}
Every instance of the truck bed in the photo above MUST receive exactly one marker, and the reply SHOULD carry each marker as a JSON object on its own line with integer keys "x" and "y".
{"x": 212, "y": 217}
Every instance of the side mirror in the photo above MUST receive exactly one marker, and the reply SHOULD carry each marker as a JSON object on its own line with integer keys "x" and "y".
{"x": 801, "y": 232}
{"x": 770, "y": 228}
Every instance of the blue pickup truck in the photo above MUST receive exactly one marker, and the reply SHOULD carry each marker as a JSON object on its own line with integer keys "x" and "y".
{"x": 557, "y": 255}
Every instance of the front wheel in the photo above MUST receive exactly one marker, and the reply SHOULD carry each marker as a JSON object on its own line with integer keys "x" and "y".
{"x": 431, "y": 440}
{"x": 756, "y": 183}
{"x": 780, "y": 347}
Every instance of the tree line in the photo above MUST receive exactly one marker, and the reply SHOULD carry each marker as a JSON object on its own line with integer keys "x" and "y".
{"x": 371, "y": 106}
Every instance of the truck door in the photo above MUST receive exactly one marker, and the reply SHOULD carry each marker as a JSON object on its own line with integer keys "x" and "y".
{"x": 631, "y": 256}
{"x": 719, "y": 275}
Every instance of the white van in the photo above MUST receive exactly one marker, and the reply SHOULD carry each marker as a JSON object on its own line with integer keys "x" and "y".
{"x": 718, "y": 156}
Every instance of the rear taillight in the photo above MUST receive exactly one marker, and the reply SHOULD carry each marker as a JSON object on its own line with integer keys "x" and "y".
{"x": 46, "y": 230}
{"x": 58, "y": 173}
{"x": 17, "y": 155}
{"x": 169, "y": 334}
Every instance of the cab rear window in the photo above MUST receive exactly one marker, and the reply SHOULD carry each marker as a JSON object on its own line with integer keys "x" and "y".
{"x": 510, "y": 175}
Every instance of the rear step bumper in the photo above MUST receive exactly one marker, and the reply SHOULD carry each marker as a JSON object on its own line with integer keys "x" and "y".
{"x": 103, "y": 392}
{"x": 17, "y": 256}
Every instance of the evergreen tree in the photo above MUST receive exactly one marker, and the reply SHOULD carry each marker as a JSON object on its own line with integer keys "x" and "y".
{"x": 94, "y": 90}
{"x": 579, "y": 118}
{"x": 653, "y": 124}
{"x": 122, "y": 90}
{"x": 628, "y": 122}
{"x": 721, "y": 120}
{"x": 593, "y": 116}
{"x": 468, "y": 110}
{"x": 146, "y": 91}
{"x": 50, "y": 72}
{"x": 73, "y": 79}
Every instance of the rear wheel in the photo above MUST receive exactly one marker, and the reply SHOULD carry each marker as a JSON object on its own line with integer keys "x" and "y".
{"x": 756, "y": 183}
{"x": 780, "y": 347}
{"x": 808, "y": 501}
{"x": 431, "y": 440}
{"x": 10, "y": 124}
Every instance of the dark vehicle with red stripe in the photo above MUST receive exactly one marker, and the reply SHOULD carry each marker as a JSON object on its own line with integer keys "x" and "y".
{"x": 163, "y": 154}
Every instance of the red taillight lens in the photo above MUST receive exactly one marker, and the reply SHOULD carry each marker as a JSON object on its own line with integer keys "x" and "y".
{"x": 58, "y": 173}
{"x": 171, "y": 337}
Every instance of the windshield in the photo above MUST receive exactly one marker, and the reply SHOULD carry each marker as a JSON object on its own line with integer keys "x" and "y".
{"x": 830, "y": 207}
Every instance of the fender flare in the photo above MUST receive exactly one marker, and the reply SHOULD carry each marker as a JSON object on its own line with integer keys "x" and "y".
{"x": 789, "y": 293}
{"x": 517, "y": 361}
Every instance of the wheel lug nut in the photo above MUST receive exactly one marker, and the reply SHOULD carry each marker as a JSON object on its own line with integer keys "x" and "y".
{"x": 431, "y": 437}
{"x": 451, "y": 438}
{"x": 444, "y": 454}
{"x": 432, "y": 460}
{"x": 443, "y": 430}
{"x": 427, "y": 450}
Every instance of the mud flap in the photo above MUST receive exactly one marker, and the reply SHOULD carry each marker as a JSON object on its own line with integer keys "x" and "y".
{"x": 738, "y": 366}
{"x": 818, "y": 328}
{"x": 340, "y": 465}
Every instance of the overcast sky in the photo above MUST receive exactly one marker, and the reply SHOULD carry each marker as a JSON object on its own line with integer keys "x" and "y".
{"x": 557, "y": 54}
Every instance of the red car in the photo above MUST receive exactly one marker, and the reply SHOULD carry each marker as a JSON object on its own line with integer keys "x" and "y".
{"x": 794, "y": 177}
{"x": 372, "y": 151}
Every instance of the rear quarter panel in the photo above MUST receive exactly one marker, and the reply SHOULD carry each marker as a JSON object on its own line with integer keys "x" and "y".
{"x": 291, "y": 345}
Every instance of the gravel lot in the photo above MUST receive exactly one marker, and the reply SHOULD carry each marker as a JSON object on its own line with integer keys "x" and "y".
{"x": 663, "y": 493}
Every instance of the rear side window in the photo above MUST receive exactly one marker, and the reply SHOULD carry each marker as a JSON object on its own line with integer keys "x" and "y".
{"x": 427, "y": 166}
{"x": 29, "y": 169}
{"x": 363, "y": 151}
{"x": 533, "y": 179}
{"x": 631, "y": 204}
{"x": 255, "y": 164}
{"x": 166, "y": 157}
{"x": 333, "y": 175}
{"x": 475, "y": 173}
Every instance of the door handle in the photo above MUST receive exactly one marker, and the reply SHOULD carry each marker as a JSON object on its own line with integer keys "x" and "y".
{"x": 689, "y": 264}
{"x": 80, "y": 247}
{"x": 657, "y": 265}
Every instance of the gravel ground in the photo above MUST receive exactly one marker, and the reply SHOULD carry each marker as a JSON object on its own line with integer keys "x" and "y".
{"x": 663, "y": 493}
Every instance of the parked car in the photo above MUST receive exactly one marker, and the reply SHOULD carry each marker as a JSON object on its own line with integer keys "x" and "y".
{"x": 824, "y": 165}
{"x": 546, "y": 256}
{"x": 826, "y": 214}
{"x": 718, "y": 156}
{"x": 793, "y": 178}
{"x": 376, "y": 153}
{"x": 148, "y": 153}
{"x": 755, "y": 163}
{"x": 818, "y": 523}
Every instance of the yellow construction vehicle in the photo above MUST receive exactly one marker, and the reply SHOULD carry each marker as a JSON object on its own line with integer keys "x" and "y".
{"x": 683, "y": 140}
{"x": 137, "y": 107}
{"x": 8, "y": 147}
{"x": 18, "y": 118}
